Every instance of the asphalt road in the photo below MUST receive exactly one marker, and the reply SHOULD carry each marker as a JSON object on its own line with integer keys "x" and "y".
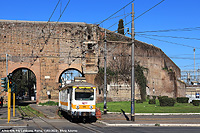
{"x": 37, "y": 125}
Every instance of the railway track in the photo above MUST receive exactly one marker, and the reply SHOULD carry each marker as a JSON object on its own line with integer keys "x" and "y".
{"x": 28, "y": 114}
{"x": 89, "y": 128}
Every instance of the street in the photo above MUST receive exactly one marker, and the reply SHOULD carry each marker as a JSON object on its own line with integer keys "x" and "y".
{"x": 63, "y": 125}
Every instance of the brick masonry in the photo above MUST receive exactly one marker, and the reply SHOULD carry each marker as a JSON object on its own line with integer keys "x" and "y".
{"x": 48, "y": 49}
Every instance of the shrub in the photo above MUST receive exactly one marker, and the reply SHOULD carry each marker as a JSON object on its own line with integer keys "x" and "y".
{"x": 165, "y": 101}
{"x": 159, "y": 97}
{"x": 154, "y": 97}
{"x": 195, "y": 102}
{"x": 139, "y": 101}
{"x": 152, "y": 101}
{"x": 182, "y": 99}
{"x": 148, "y": 96}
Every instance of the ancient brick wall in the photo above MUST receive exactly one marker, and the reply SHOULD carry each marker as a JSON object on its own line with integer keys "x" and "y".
{"x": 162, "y": 73}
{"x": 48, "y": 49}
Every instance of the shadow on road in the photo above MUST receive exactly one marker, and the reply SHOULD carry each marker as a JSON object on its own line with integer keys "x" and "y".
{"x": 125, "y": 115}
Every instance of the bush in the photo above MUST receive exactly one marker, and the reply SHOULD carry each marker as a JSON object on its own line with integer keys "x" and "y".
{"x": 139, "y": 101}
{"x": 182, "y": 99}
{"x": 152, "y": 101}
{"x": 195, "y": 102}
{"x": 148, "y": 97}
{"x": 154, "y": 97}
{"x": 159, "y": 97}
{"x": 165, "y": 101}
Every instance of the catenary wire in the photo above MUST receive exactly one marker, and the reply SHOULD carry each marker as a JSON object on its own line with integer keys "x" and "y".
{"x": 140, "y": 14}
{"x": 170, "y": 42}
{"x": 169, "y": 30}
{"x": 170, "y": 36}
{"x": 115, "y": 13}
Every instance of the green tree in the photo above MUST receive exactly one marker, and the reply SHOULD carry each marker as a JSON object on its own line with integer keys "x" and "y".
{"x": 121, "y": 27}
{"x": 141, "y": 80}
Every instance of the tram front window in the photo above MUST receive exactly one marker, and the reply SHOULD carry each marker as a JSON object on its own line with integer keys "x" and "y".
{"x": 84, "y": 94}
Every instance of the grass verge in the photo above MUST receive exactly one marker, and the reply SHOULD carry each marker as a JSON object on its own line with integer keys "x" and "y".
{"x": 27, "y": 109}
{"x": 49, "y": 103}
{"x": 145, "y": 107}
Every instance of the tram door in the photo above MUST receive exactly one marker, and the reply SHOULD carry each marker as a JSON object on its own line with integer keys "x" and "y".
{"x": 70, "y": 99}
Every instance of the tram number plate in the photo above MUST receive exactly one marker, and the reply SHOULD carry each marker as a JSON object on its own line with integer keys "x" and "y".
{"x": 84, "y": 107}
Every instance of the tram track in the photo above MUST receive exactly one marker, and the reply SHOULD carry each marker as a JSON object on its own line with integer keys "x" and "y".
{"x": 27, "y": 114}
{"x": 85, "y": 126}
{"x": 31, "y": 115}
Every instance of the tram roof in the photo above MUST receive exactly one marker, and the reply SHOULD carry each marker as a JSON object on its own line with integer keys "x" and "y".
{"x": 78, "y": 84}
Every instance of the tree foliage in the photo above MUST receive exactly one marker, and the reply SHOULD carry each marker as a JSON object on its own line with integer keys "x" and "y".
{"x": 141, "y": 80}
{"x": 121, "y": 27}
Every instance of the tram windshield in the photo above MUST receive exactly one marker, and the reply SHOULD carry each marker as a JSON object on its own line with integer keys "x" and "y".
{"x": 84, "y": 94}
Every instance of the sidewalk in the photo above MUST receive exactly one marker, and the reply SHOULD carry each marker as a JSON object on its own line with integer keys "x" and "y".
{"x": 118, "y": 119}
{"x": 14, "y": 121}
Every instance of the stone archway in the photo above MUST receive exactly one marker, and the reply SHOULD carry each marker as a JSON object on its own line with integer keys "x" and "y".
{"x": 12, "y": 66}
{"x": 68, "y": 75}
{"x": 25, "y": 84}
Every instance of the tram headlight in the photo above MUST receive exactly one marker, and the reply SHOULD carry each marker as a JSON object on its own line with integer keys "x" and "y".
{"x": 77, "y": 106}
{"x": 91, "y": 107}
{"x": 93, "y": 113}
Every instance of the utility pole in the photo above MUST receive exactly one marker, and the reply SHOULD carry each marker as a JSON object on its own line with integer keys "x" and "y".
{"x": 194, "y": 67}
{"x": 132, "y": 68}
{"x": 105, "y": 83}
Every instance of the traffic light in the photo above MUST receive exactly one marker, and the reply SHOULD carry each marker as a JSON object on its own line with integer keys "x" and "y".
{"x": 4, "y": 82}
{"x": 13, "y": 88}
{"x": 10, "y": 79}
{"x": 10, "y": 76}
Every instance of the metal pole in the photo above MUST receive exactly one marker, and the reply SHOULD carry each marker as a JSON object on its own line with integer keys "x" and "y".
{"x": 194, "y": 67}
{"x": 105, "y": 83}
{"x": 13, "y": 104}
{"x": 132, "y": 70}
{"x": 9, "y": 101}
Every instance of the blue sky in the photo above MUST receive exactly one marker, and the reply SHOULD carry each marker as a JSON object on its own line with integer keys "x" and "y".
{"x": 170, "y": 14}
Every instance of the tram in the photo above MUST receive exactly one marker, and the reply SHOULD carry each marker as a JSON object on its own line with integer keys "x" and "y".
{"x": 78, "y": 100}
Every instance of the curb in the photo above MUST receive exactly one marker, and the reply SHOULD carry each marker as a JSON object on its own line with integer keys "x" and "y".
{"x": 149, "y": 125}
{"x": 155, "y": 113}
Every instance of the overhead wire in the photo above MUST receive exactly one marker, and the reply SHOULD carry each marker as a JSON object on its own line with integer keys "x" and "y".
{"x": 54, "y": 25}
{"x": 113, "y": 17}
{"x": 170, "y": 36}
{"x": 117, "y": 22}
{"x": 46, "y": 24}
{"x": 170, "y": 42}
{"x": 140, "y": 14}
{"x": 115, "y": 12}
{"x": 169, "y": 30}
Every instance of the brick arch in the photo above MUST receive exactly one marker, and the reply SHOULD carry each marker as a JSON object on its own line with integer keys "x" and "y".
{"x": 63, "y": 68}
{"x": 69, "y": 69}
{"x": 12, "y": 66}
